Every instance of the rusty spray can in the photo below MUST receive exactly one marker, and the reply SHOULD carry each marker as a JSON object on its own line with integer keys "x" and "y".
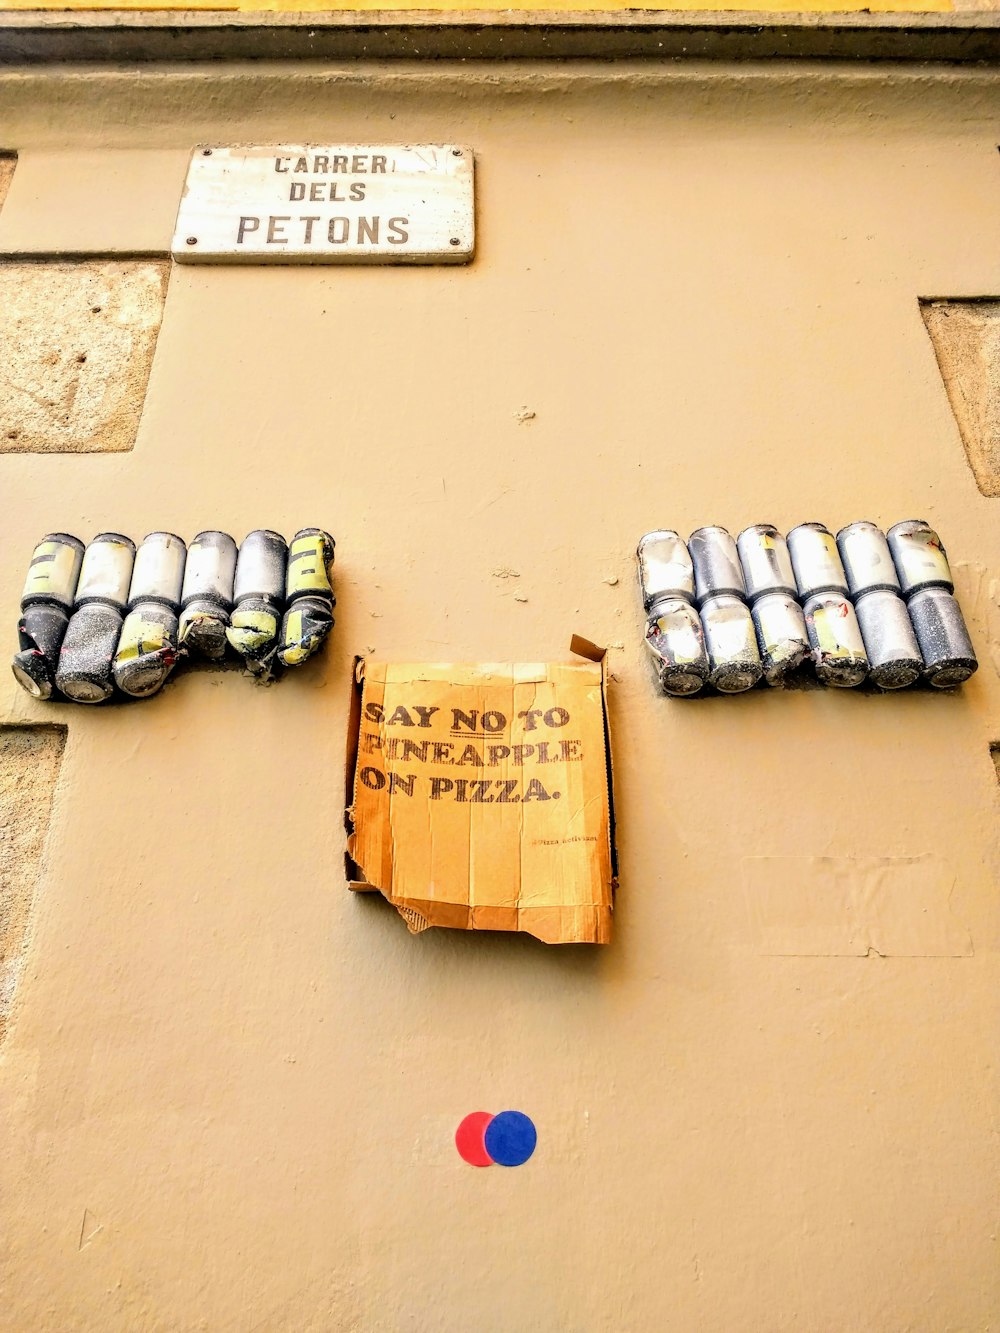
{"x": 919, "y": 556}
{"x": 673, "y": 629}
{"x": 816, "y": 561}
{"x": 777, "y": 616}
{"x": 258, "y": 596}
{"x": 207, "y": 594}
{"x": 85, "y": 660}
{"x": 948, "y": 655}
{"x": 309, "y": 596}
{"x": 838, "y": 651}
{"x": 716, "y": 564}
{"x": 733, "y": 657}
{"x": 147, "y": 646}
{"x": 47, "y": 599}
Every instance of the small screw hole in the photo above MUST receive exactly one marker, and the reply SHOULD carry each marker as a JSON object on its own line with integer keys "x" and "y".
{"x": 206, "y": 152}
{"x": 455, "y": 241}
{"x": 192, "y": 240}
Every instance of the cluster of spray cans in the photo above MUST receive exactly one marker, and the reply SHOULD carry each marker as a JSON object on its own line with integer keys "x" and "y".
{"x": 111, "y": 615}
{"x": 864, "y": 605}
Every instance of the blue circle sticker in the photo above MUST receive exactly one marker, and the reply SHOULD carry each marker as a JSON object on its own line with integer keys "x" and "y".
{"x": 510, "y": 1138}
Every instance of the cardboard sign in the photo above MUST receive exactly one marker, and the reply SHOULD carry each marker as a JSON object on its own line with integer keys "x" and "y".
{"x": 481, "y": 797}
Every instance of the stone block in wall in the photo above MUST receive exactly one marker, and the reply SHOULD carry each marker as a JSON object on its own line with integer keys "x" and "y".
{"x": 966, "y": 339}
{"x": 77, "y": 339}
{"x": 8, "y": 161}
{"x": 29, "y": 766}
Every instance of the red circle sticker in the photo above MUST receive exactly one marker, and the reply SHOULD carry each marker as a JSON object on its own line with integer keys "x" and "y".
{"x": 470, "y": 1140}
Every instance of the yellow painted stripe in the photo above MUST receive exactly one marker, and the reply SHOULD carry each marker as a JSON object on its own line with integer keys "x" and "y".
{"x": 555, "y": 6}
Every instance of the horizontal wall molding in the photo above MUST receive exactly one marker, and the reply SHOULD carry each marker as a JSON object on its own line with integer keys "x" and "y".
{"x": 34, "y": 37}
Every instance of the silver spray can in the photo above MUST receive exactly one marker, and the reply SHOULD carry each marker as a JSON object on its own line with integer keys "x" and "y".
{"x": 890, "y": 643}
{"x": 309, "y": 596}
{"x": 945, "y": 646}
{"x": 815, "y": 560}
{"x": 674, "y": 636}
{"x": 47, "y": 599}
{"x": 781, "y": 635}
{"x": 764, "y": 556}
{"x": 207, "y": 594}
{"x": 867, "y": 559}
{"x": 88, "y": 649}
{"x": 665, "y": 567}
{"x": 716, "y": 564}
{"x": 147, "y": 646}
{"x": 734, "y": 662}
{"x": 838, "y": 651}
{"x": 919, "y": 555}
{"x": 258, "y": 596}
{"x": 106, "y": 571}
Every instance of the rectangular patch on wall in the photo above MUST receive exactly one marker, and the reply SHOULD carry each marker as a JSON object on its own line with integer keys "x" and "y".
{"x": 481, "y": 797}
{"x": 830, "y": 906}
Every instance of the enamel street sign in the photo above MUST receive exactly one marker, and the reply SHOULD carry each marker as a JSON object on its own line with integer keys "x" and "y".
{"x": 339, "y": 204}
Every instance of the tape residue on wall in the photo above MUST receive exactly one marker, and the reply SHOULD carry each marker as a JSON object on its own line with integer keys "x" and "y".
{"x": 830, "y": 906}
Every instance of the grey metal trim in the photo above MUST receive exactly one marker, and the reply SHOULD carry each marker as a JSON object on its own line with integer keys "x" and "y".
{"x": 142, "y": 36}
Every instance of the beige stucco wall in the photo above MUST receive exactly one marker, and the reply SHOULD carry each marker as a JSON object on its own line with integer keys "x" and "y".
{"x": 229, "y": 1085}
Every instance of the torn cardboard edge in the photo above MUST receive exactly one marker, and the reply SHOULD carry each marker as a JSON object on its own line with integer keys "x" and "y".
{"x": 556, "y": 917}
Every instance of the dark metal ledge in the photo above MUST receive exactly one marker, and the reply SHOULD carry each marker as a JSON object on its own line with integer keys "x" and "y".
{"x": 42, "y": 37}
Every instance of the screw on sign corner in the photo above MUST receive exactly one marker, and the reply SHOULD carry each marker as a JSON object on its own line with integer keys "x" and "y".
{"x": 507, "y": 1139}
{"x": 191, "y": 240}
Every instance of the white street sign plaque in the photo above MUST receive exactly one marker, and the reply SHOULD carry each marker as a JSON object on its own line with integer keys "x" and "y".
{"x": 339, "y": 204}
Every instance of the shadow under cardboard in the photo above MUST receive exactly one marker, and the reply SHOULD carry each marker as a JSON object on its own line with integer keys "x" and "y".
{"x": 439, "y": 943}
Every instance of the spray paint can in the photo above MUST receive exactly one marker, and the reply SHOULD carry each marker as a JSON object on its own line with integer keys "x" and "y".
{"x": 815, "y": 560}
{"x": 867, "y": 559}
{"x": 309, "y": 595}
{"x": 838, "y": 650}
{"x": 675, "y": 637}
{"x": 147, "y": 646}
{"x": 890, "y": 644}
{"x": 258, "y": 596}
{"x": 716, "y": 564}
{"x": 947, "y": 651}
{"x": 919, "y": 555}
{"x": 733, "y": 658}
{"x": 665, "y": 568}
{"x": 47, "y": 599}
{"x": 85, "y": 672}
{"x": 207, "y": 594}
{"x": 781, "y": 635}
{"x": 767, "y": 567}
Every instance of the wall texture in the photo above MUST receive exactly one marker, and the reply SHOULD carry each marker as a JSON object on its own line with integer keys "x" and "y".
{"x": 29, "y": 767}
{"x": 230, "y": 1086}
